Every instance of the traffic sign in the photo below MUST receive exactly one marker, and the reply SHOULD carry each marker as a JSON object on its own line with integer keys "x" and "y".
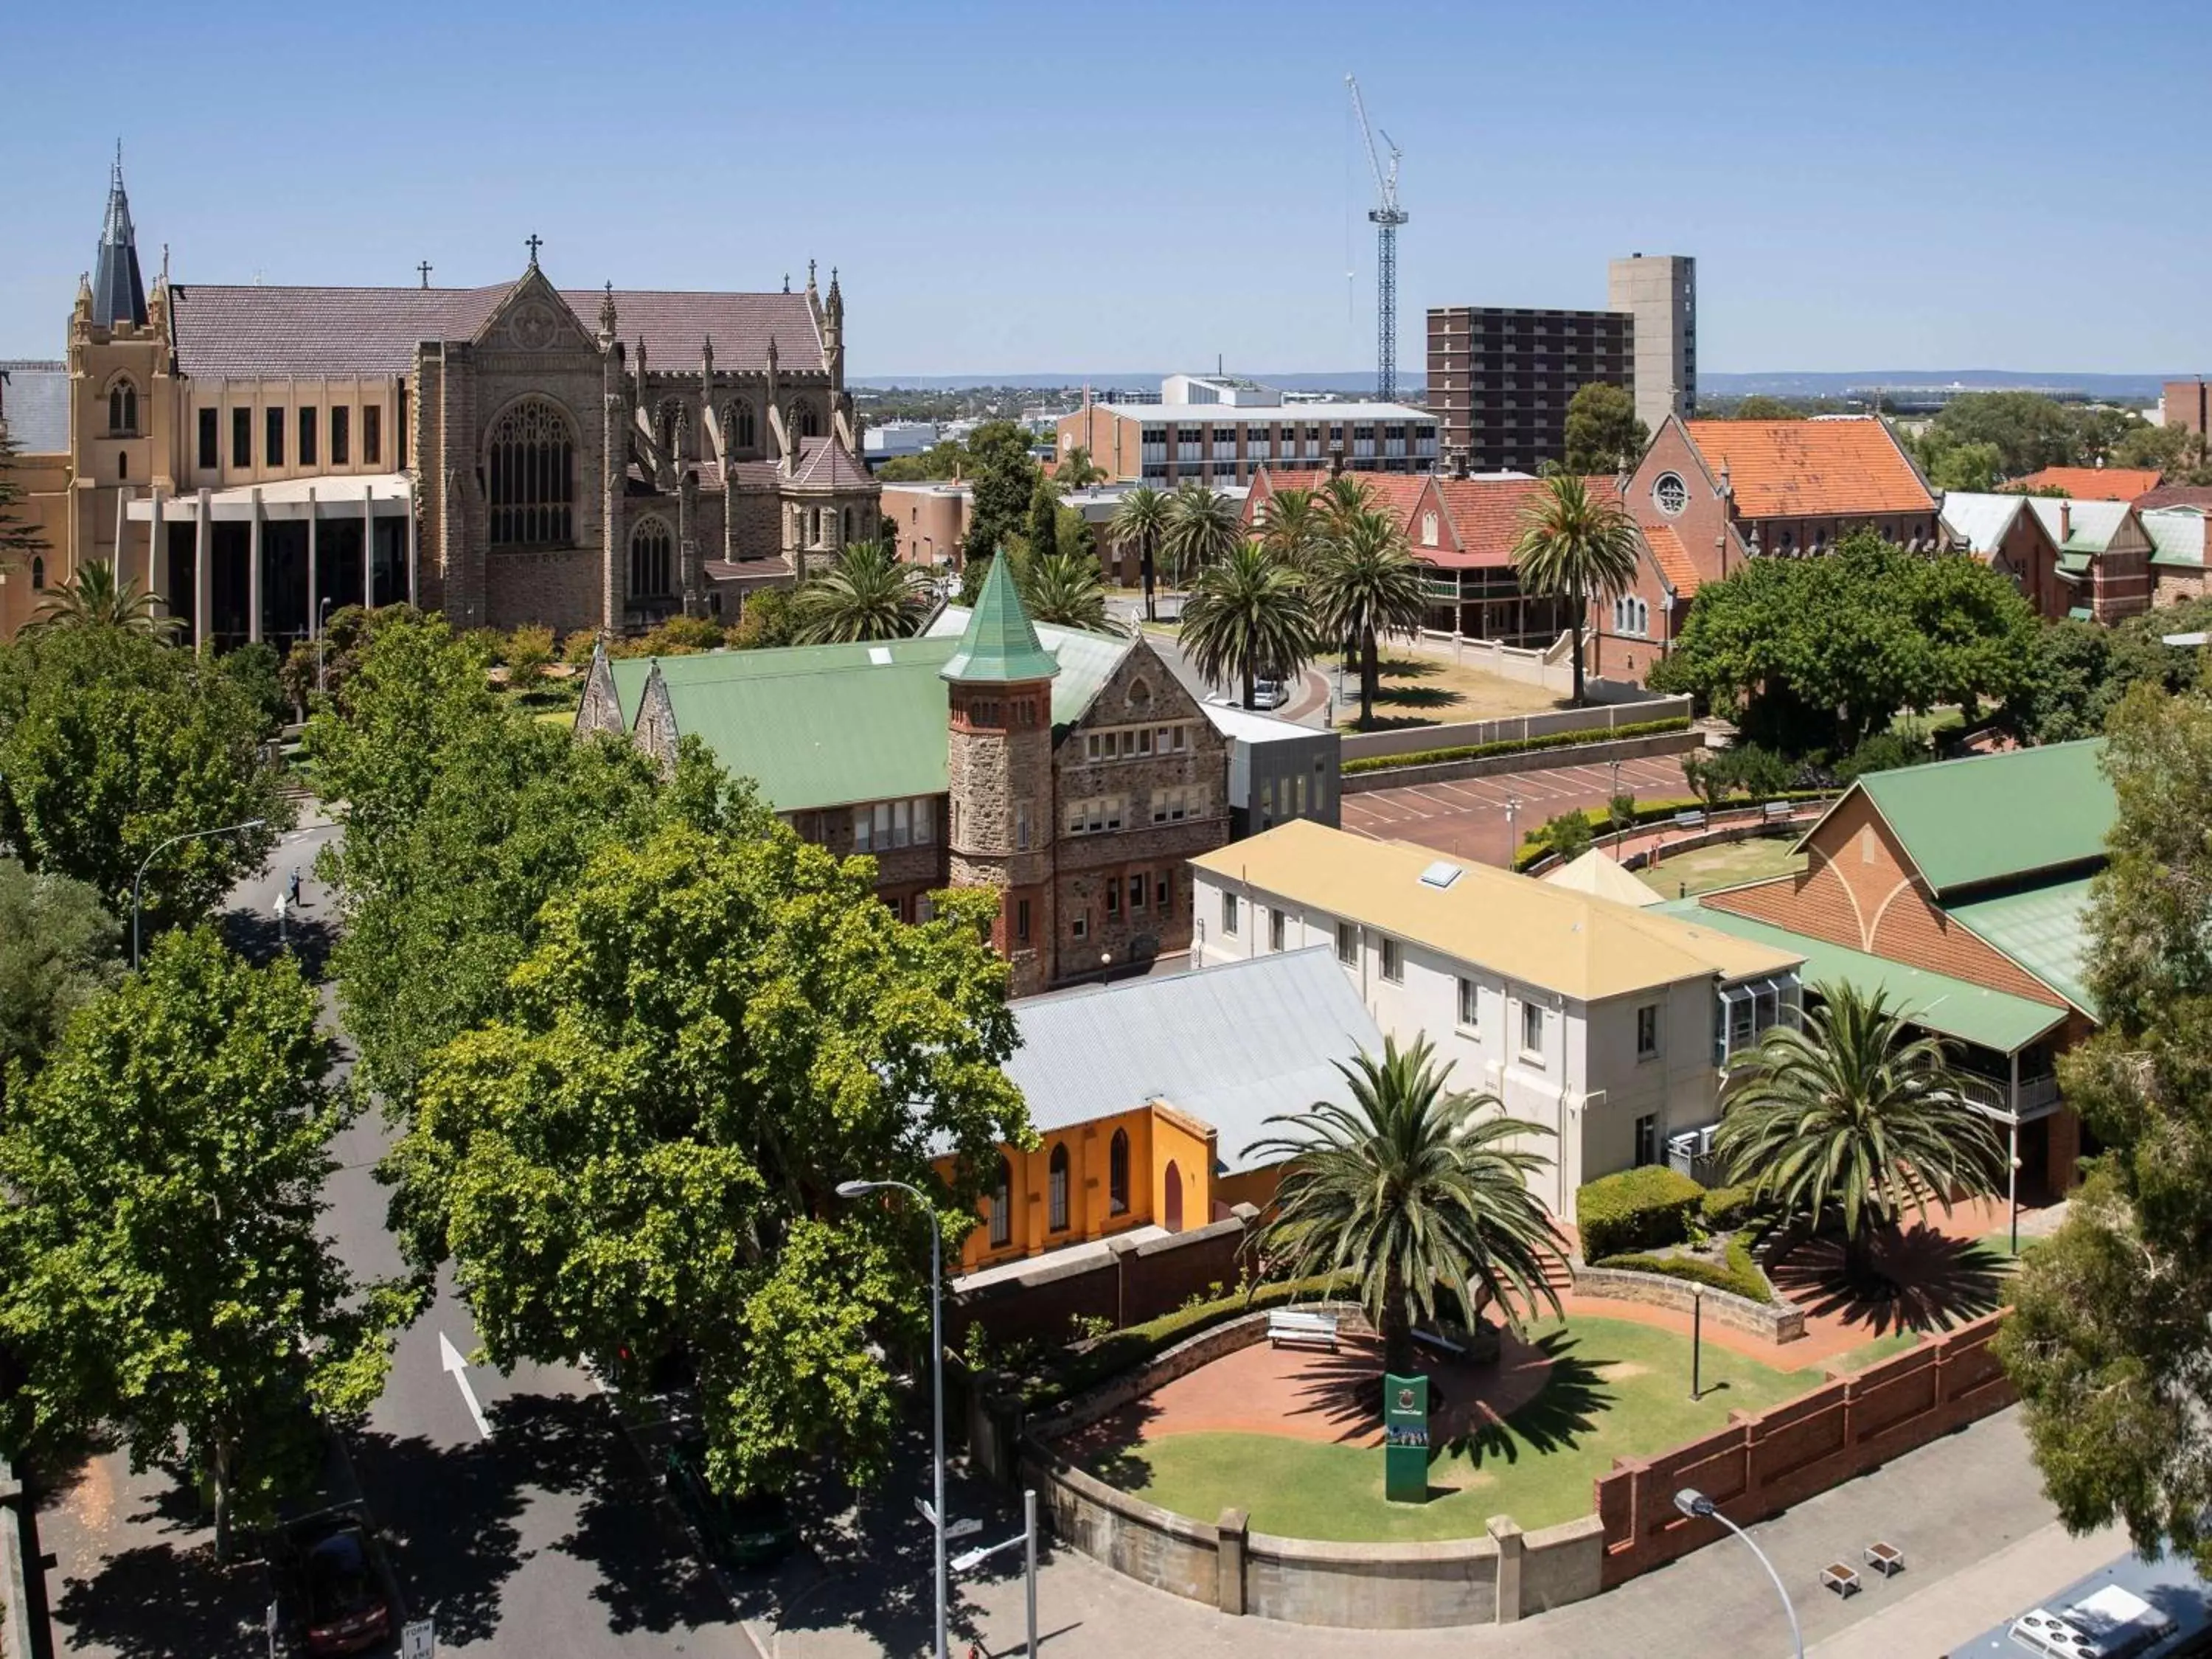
{"x": 418, "y": 1640}
{"x": 965, "y": 1527}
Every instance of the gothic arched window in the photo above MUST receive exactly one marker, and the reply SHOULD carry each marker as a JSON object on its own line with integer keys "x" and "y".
{"x": 123, "y": 407}
{"x": 530, "y": 468}
{"x": 1057, "y": 1185}
{"x": 810, "y": 424}
{"x": 1002, "y": 1206}
{"x": 1117, "y": 1173}
{"x": 738, "y": 424}
{"x": 668, "y": 427}
{"x": 38, "y": 574}
{"x": 650, "y": 560}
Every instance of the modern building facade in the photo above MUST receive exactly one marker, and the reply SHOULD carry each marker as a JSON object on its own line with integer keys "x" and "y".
{"x": 1500, "y": 377}
{"x": 1659, "y": 291}
{"x": 1233, "y": 427}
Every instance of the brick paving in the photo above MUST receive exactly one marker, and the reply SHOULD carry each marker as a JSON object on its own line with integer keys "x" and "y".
{"x": 1467, "y": 817}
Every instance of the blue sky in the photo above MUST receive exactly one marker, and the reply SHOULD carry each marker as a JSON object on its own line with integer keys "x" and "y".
{"x": 1138, "y": 186}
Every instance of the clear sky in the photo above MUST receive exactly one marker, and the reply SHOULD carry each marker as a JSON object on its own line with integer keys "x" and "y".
{"x": 1136, "y": 185}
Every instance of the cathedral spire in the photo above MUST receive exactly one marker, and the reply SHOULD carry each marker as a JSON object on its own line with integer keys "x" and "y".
{"x": 119, "y": 292}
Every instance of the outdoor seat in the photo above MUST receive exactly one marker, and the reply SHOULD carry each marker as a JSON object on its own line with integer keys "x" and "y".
{"x": 1887, "y": 1559}
{"x": 1309, "y": 1330}
{"x": 1689, "y": 820}
{"x": 1441, "y": 1343}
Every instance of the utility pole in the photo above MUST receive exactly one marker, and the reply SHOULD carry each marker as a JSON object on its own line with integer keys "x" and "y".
{"x": 1386, "y": 217}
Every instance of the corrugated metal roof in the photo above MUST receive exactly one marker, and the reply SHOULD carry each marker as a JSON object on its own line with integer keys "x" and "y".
{"x": 2177, "y": 535}
{"x": 1990, "y": 817}
{"x": 1229, "y": 1045}
{"x": 1087, "y": 660}
{"x": 2089, "y": 526}
{"x": 1935, "y": 1002}
{"x": 2043, "y": 930}
{"x": 1980, "y": 517}
{"x": 36, "y": 404}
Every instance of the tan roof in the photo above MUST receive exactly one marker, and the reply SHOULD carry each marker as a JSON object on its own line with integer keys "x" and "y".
{"x": 1574, "y": 943}
{"x": 1596, "y": 872}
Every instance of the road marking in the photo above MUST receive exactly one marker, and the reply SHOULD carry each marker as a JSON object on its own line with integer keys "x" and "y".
{"x": 450, "y": 1360}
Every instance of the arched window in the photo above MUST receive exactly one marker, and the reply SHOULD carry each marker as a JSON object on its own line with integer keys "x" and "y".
{"x": 810, "y": 424}
{"x": 738, "y": 424}
{"x": 1117, "y": 1173}
{"x": 1428, "y": 529}
{"x": 38, "y": 574}
{"x": 1058, "y": 1187}
{"x": 651, "y": 560}
{"x": 814, "y": 527}
{"x": 668, "y": 427}
{"x": 529, "y": 465}
{"x": 849, "y": 525}
{"x": 1002, "y": 1207}
{"x": 123, "y": 407}
{"x": 1171, "y": 1205}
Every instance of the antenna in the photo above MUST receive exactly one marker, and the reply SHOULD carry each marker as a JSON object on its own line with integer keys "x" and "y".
{"x": 1386, "y": 217}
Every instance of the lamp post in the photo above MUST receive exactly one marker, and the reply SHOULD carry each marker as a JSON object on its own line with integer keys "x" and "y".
{"x": 859, "y": 1189}
{"x": 138, "y": 880}
{"x": 322, "y": 641}
{"x": 1512, "y": 841}
{"x": 1695, "y": 1505}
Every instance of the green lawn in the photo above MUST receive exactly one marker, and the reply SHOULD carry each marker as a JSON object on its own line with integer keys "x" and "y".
{"x": 1881, "y": 1348}
{"x": 1727, "y": 864}
{"x": 1617, "y": 1389}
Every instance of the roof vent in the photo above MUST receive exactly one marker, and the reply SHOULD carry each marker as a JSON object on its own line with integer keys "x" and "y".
{"x": 1441, "y": 874}
{"x": 880, "y": 655}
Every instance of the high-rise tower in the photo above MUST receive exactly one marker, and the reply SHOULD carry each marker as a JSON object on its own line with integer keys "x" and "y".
{"x": 1661, "y": 292}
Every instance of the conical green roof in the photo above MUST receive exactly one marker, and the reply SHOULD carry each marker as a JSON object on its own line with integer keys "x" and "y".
{"x": 1000, "y": 644}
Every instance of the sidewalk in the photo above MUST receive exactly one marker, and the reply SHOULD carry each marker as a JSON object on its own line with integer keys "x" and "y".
{"x": 1938, "y": 1617}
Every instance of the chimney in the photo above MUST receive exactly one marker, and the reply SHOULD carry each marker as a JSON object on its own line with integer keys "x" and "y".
{"x": 2065, "y": 521}
{"x": 1462, "y": 463}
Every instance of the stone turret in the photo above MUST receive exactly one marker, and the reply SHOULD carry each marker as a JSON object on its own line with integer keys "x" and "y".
{"x": 833, "y": 333}
{"x": 999, "y": 770}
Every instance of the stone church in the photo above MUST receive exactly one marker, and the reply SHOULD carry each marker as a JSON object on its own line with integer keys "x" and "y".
{"x": 585, "y": 458}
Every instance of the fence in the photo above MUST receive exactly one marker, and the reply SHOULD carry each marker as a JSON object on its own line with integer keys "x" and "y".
{"x": 1513, "y": 728}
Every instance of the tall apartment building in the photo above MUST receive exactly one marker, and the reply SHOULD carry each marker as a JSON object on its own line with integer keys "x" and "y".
{"x": 1660, "y": 290}
{"x": 1501, "y": 378}
{"x": 1221, "y": 430}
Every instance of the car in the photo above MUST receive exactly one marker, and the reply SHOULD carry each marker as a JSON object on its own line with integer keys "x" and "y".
{"x": 336, "y": 1587}
{"x": 1269, "y": 694}
{"x": 742, "y": 1531}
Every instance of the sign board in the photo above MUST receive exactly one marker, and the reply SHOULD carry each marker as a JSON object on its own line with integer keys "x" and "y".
{"x": 1406, "y": 1439}
{"x": 418, "y": 1639}
{"x": 967, "y": 1526}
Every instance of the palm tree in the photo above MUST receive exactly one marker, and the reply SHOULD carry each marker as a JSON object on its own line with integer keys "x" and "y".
{"x": 1346, "y": 494}
{"x": 865, "y": 595}
{"x": 1294, "y": 527}
{"x": 1140, "y": 521}
{"x": 1065, "y": 588}
{"x": 94, "y": 598}
{"x": 1412, "y": 1189}
{"x": 1247, "y": 617}
{"x": 1076, "y": 471}
{"x": 1853, "y": 1113}
{"x": 1202, "y": 527}
{"x": 1577, "y": 547}
{"x": 1367, "y": 585}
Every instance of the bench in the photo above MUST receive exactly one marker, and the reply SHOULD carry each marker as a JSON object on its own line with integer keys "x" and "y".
{"x": 1309, "y": 1330}
{"x": 1689, "y": 820}
{"x": 1440, "y": 1342}
{"x": 1840, "y": 1578}
{"x": 1887, "y": 1559}
{"x": 1775, "y": 811}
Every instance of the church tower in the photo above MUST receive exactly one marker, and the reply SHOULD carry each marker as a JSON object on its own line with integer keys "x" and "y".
{"x": 999, "y": 773}
{"x": 118, "y": 293}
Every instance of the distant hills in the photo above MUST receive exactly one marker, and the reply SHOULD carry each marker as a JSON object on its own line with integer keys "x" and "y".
{"x": 1776, "y": 383}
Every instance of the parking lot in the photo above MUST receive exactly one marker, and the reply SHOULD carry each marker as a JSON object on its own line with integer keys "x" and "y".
{"x": 1467, "y": 818}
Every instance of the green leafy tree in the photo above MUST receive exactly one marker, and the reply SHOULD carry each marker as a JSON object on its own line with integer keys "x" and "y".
{"x": 1854, "y": 1118}
{"x": 112, "y": 743}
{"x": 1003, "y": 479}
{"x": 1568, "y": 834}
{"x": 1417, "y": 1191}
{"x": 2173, "y": 451}
{"x": 2029, "y": 431}
{"x": 167, "y": 1271}
{"x": 865, "y": 595}
{"x": 529, "y": 651}
{"x": 1066, "y": 590}
{"x": 1203, "y": 528}
{"x": 1247, "y": 617}
{"x": 59, "y": 950}
{"x": 1603, "y": 432}
{"x": 95, "y": 597}
{"x": 1760, "y": 407}
{"x": 1366, "y": 584}
{"x": 1042, "y": 529}
{"x": 20, "y": 539}
{"x": 766, "y": 621}
{"x": 710, "y": 1033}
{"x": 1968, "y": 466}
{"x": 1140, "y": 520}
{"x": 1576, "y": 546}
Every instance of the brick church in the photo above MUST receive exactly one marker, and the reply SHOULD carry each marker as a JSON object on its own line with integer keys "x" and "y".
{"x": 585, "y": 458}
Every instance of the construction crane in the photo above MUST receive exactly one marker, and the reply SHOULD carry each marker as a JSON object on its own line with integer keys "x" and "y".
{"x": 1386, "y": 217}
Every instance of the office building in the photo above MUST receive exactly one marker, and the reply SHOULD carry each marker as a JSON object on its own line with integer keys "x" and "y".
{"x": 1659, "y": 291}
{"x": 1500, "y": 377}
{"x": 1220, "y": 430}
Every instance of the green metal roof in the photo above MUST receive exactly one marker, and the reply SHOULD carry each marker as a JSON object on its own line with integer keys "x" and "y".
{"x": 1001, "y": 646}
{"x": 1086, "y": 661}
{"x": 1935, "y": 1002}
{"x": 1991, "y": 818}
{"x": 2042, "y": 929}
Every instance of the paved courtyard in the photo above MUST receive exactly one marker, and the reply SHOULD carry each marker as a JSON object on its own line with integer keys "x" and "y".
{"x": 1468, "y": 817}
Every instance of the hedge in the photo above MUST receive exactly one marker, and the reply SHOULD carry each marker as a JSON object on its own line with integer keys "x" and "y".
{"x": 1725, "y": 1207}
{"x": 1740, "y": 1275}
{"x": 1080, "y": 1368}
{"x": 1639, "y": 1209}
{"x": 1535, "y": 848}
{"x": 1516, "y": 745}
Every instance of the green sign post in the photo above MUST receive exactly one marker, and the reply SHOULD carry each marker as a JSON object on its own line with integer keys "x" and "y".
{"x": 1406, "y": 1439}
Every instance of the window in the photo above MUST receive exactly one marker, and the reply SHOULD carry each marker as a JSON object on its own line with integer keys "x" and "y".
{"x": 122, "y": 409}
{"x": 1097, "y": 816}
{"x": 1470, "y": 1006}
{"x": 1080, "y": 928}
{"x": 1002, "y": 1206}
{"x": 1647, "y": 1139}
{"x": 371, "y": 435}
{"x": 1229, "y": 913}
{"x": 1632, "y": 615}
{"x": 241, "y": 437}
{"x": 307, "y": 437}
{"x": 1394, "y": 962}
{"x": 652, "y": 560}
{"x": 1278, "y": 927}
{"x": 1531, "y": 1028}
{"x": 1647, "y": 1031}
{"x": 1174, "y": 805}
{"x": 1669, "y": 494}
{"x": 1428, "y": 529}
{"x": 1347, "y": 944}
{"x": 531, "y": 466}
{"x": 809, "y": 422}
{"x": 1021, "y": 921}
{"x": 38, "y": 574}
{"x": 1137, "y": 892}
{"x": 1058, "y": 1187}
{"x": 210, "y": 440}
{"x": 1021, "y": 826}
{"x": 1117, "y": 1173}
{"x": 341, "y": 420}
{"x": 123, "y": 464}
{"x": 743, "y": 426}
{"x": 885, "y": 824}
{"x": 1113, "y": 896}
{"x": 272, "y": 443}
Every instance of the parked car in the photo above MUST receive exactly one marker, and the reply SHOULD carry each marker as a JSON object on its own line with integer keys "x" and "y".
{"x": 1269, "y": 694}
{"x": 333, "y": 1585}
{"x": 741, "y": 1531}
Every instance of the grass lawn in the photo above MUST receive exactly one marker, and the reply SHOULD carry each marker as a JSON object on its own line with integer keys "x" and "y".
{"x": 1616, "y": 1389}
{"x": 1879, "y": 1349}
{"x": 1729, "y": 864}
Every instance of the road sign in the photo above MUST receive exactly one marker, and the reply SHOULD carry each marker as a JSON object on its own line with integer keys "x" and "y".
{"x": 966, "y": 1527}
{"x": 927, "y": 1513}
{"x": 418, "y": 1640}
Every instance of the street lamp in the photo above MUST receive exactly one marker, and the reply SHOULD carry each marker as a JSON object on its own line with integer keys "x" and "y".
{"x": 1512, "y": 843}
{"x": 860, "y": 1188}
{"x": 1695, "y": 1505}
{"x": 322, "y": 641}
{"x": 138, "y": 880}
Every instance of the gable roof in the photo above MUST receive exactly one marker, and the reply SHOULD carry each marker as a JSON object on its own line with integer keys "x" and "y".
{"x": 1811, "y": 469}
{"x": 2093, "y": 484}
{"x": 1980, "y": 517}
{"x": 1486, "y": 513}
{"x": 2174, "y": 495}
{"x": 1595, "y": 872}
{"x": 1672, "y": 558}
{"x": 2176, "y": 534}
{"x": 2044, "y": 929}
{"x": 1229, "y": 1045}
{"x": 1573, "y": 943}
{"x": 35, "y": 405}
{"x": 827, "y": 463}
{"x": 2089, "y": 526}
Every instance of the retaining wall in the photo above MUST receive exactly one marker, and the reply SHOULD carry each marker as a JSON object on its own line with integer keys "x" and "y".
{"x": 1529, "y": 760}
{"x": 1777, "y": 1322}
{"x": 1129, "y": 1283}
{"x": 15, "y": 1583}
{"x": 1512, "y": 728}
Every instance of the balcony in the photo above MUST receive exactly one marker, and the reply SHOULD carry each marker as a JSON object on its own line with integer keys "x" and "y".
{"x": 2037, "y": 1097}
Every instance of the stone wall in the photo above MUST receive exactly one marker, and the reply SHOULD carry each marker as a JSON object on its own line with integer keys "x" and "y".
{"x": 1775, "y": 1321}
{"x": 558, "y": 588}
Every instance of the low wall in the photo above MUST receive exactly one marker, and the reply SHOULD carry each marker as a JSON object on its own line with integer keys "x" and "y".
{"x": 1777, "y": 1322}
{"x": 1515, "y": 728}
{"x": 1529, "y": 760}
{"x": 1552, "y": 667}
{"x": 1764, "y": 1462}
{"x": 1129, "y": 1283}
{"x": 15, "y": 1581}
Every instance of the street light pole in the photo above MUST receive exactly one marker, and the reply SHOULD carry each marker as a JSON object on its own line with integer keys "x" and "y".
{"x": 138, "y": 880}
{"x": 856, "y": 1189}
{"x": 1695, "y": 1505}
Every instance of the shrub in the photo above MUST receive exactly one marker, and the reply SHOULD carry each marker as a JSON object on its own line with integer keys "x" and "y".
{"x": 1569, "y": 835}
{"x": 1725, "y": 1207}
{"x": 576, "y": 649}
{"x": 1639, "y": 1209}
{"x": 1743, "y": 1279}
{"x": 1514, "y": 746}
{"x": 528, "y": 649}
{"x": 1884, "y": 751}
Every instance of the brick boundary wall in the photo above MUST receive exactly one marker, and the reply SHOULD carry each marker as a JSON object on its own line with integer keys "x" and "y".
{"x": 1130, "y": 1282}
{"x": 1778, "y": 1322}
{"x": 1764, "y": 1462}
{"x": 1527, "y": 759}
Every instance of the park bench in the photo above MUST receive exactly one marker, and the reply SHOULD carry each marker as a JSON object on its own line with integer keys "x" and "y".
{"x": 1690, "y": 820}
{"x": 1310, "y": 1330}
{"x": 1440, "y": 1342}
{"x": 1775, "y": 811}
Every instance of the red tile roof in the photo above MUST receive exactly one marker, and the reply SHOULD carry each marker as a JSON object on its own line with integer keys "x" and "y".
{"x": 2092, "y": 483}
{"x": 1811, "y": 469}
{"x": 1488, "y": 512}
{"x": 1672, "y": 558}
{"x": 1396, "y": 493}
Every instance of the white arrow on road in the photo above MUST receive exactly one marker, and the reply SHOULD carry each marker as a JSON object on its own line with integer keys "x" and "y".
{"x": 450, "y": 1357}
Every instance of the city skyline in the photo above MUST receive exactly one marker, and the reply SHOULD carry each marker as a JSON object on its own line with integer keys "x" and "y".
{"x": 1854, "y": 194}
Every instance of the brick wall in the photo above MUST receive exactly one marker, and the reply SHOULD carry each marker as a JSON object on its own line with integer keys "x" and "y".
{"x": 1764, "y": 1463}
{"x": 1128, "y": 1283}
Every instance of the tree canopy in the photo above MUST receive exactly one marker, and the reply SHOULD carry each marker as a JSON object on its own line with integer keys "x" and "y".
{"x": 19, "y": 538}
{"x": 1603, "y": 432}
{"x": 1247, "y": 617}
{"x": 59, "y": 948}
{"x": 868, "y": 593}
{"x": 2026, "y": 432}
{"x": 1003, "y": 479}
{"x": 1577, "y": 546}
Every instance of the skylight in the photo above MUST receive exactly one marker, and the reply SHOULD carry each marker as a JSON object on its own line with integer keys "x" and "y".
{"x": 1441, "y": 874}
{"x": 879, "y": 655}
